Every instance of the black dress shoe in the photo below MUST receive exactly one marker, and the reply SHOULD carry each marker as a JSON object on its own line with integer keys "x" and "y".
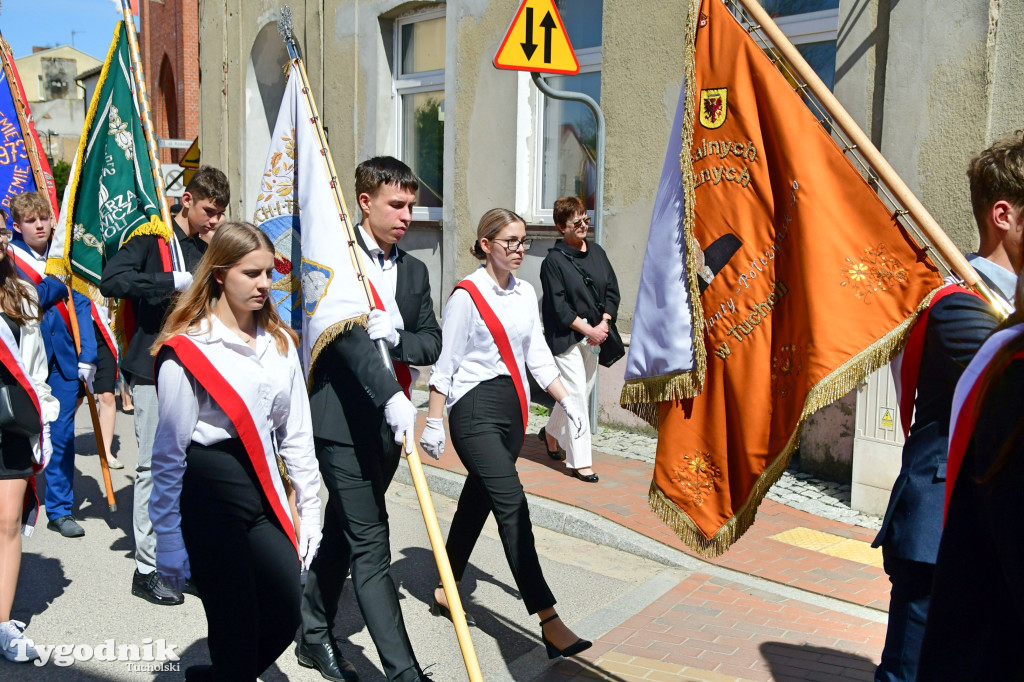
{"x": 66, "y": 526}
{"x": 439, "y": 609}
{"x": 327, "y": 660}
{"x": 553, "y": 454}
{"x": 588, "y": 478}
{"x": 553, "y": 651}
{"x": 152, "y": 588}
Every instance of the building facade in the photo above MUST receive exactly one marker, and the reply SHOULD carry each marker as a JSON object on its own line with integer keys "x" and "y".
{"x": 930, "y": 85}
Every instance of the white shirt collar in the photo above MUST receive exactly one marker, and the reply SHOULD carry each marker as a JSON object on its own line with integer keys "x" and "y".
{"x": 213, "y": 330}
{"x": 373, "y": 248}
{"x": 41, "y": 257}
{"x": 513, "y": 282}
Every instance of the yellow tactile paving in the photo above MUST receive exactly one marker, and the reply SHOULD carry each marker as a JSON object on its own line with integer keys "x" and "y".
{"x": 620, "y": 667}
{"x": 832, "y": 545}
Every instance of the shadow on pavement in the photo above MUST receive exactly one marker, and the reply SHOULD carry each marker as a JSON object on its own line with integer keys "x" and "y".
{"x": 791, "y": 662}
{"x": 41, "y": 580}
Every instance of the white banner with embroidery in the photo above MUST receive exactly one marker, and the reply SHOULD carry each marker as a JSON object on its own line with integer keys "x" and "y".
{"x": 315, "y": 287}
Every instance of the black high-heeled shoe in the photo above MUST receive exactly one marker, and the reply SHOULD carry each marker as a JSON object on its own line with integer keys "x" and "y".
{"x": 588, "y": 478}
{"x": 576, "y": 647}
{"x": 553, "y": 454}
{"x": 439, "y": 609}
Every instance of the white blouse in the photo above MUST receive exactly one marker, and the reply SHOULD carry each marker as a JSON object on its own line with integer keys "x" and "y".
{"x": 469, "y": 354}
{"x": 188, "y": 413}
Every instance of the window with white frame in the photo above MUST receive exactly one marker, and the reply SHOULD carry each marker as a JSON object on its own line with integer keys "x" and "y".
{"x": 568, "y": 143}
{"x": 813, "y": 28}
{"x": 419, "y": 88}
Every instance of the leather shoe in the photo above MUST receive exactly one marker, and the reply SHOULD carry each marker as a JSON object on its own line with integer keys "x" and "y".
{"x": 66, "y": 526}
{"x": 439, "y": 609}
{"x": 588, "y": 478}
{"x": 327, "y": 660}
{"x": 553, "y": 454}
{"x": 152, "y": 588}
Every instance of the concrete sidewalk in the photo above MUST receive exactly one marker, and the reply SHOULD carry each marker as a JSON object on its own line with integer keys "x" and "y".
{"x": 798, "y": 597}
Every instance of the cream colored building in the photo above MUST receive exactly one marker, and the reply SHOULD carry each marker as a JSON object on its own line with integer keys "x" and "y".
{"x": 50, "y": 74}
{"x": 931, "y": 83}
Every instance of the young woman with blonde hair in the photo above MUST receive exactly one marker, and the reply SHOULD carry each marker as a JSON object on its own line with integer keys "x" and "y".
{"x": 25, "y": 447}
{"x": 232, "y": 396}
{"x": 491, "y": 333}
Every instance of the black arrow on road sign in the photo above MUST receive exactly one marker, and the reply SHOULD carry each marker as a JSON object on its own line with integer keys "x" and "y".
{"x": 529, "y": 47}
{"x": 548, "y": 24}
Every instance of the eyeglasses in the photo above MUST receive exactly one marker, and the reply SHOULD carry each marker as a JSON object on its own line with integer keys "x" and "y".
{"x": 577, "y": 224}
{"x": 5, "y": 235}
{"x": 512, "y": 245}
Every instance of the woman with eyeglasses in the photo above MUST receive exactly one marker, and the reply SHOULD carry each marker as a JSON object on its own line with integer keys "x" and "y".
{"x": 24, "y": 445}
{"x": 581, "y": 298}
{"x": 490, "y": 335}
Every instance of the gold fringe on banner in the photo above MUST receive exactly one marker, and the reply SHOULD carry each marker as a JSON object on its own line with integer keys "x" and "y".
{"x": 830, "y": 389}
{"x": 640, "y": 396}
{"x": 328, "y": 336}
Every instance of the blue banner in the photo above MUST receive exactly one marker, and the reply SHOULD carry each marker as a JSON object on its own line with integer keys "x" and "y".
{"x": 15, "y": 170}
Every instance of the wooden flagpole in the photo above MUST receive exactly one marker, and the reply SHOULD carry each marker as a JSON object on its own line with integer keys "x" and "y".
{"x": 935, "y": 235}
{"x": 415, "y": 465}
{"x": 28, "y": 140}
{"x": 142, "y": 98}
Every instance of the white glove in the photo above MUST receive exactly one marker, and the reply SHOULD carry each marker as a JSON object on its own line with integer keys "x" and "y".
{"x": 432, "y": 438}
{"x": 382, "y": 326}
{"x": 579, "y": 423}
{"x": 173, "y": 568}
{"x": 400, "y": 414}
{"x": 182, "y": 280}
{"x": 86, "y": 373}
{"x": 310, "y": 535}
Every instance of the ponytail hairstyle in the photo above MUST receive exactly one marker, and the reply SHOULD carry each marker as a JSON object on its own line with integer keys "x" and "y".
{"x": 491, "y": 223}
{"x": 231, "y": 242}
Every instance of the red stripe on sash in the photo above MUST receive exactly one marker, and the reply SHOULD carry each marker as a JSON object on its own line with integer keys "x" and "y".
{"x": 963, "y": 430}
{"x": 910, "y": 370}
{"x": 30, "y": 273}
{"x": 165, "y": 254}
{"x": 238, "y": 412}
{"x": 9, "y": 361}
{"x": 402, "y": 372}
{"x": 105, "y": 333}
{"x": 501, "y": 341}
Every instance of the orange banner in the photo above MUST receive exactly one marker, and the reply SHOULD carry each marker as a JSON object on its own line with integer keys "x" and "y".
{"x": 805, "y": 280}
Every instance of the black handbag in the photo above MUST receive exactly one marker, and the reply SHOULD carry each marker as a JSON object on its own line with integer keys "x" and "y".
{"x": 18, "y": 413}
{"x": 612, "y": 349}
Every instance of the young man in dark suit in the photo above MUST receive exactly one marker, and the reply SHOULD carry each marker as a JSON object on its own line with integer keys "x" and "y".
{"x": 137, "y": 274}
{"x": 956, "y": 326}
{"x": 359, "y": 410}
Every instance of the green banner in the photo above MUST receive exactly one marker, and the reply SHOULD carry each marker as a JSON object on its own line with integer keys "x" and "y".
{"x": 111, "y": 196}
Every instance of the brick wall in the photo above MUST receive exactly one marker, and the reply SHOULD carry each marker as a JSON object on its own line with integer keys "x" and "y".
{"x": 169, "y": 43}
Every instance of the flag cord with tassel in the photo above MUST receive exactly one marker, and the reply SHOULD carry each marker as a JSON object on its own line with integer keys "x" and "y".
{"x": 42, "y": 185}
{"x": 415, "y": 465}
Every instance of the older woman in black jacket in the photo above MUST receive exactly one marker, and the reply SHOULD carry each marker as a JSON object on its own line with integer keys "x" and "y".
{"x": 581, "y": 296}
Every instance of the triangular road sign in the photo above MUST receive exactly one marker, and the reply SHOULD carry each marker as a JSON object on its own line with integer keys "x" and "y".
{"x": 537, "y": 41}
{"x": 191, "y": 158}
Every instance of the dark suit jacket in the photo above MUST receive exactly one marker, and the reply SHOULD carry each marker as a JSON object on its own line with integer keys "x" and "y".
{"x": 135, "y": 273}
{"x": 976, "y": 617}
{"x": 957, "y": 326}
{"x": 350, "y": 384}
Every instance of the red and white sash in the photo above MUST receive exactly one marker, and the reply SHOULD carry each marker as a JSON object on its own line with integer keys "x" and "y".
{"x": 910, "y": 367}
{"x": 497, "y": 330}
{"x": 10, "y": 356}
{"x": 402, "y": 371}
{"x": 965, "y": 415}
{"x": 34, "y": 271}
{"x": 255, "y": 435}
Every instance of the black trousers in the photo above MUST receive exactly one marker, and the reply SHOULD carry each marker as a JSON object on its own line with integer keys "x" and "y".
{"x": 487, "y": 432}
{"x": 356, "y": 536}
{"x": 908, "y": 613}
{"x": 242, "y": 562}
